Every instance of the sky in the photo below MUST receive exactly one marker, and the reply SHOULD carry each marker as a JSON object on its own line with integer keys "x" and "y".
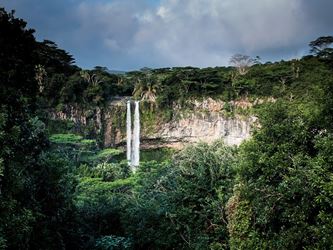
{"x": 132, "y": 34}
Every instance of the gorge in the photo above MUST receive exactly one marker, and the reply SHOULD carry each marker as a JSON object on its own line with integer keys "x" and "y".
{"x": 207, "y": 123}
{"x": 67, "y": 182}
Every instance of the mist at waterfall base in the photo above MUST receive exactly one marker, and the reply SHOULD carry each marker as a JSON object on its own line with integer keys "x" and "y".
{"x": 133, "y": 137}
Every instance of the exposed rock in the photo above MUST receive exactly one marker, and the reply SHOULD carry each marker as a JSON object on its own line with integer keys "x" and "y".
{"x": 205, "y": 122}
{"x": 206, "y": 127}
{"x": 71, "y": 113}
{"x": 208, "y": 104}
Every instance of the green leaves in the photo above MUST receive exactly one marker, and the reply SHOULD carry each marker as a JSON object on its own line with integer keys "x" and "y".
{"x": 321, "y": 46}
{"x": 285, "y": 173}
{"x": 113, "y": 243}
{"x": 181, "y": 205}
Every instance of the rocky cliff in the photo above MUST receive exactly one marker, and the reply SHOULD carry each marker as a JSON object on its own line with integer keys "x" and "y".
{"x": 201, "y": 121}
{"x": 205, "y": 127}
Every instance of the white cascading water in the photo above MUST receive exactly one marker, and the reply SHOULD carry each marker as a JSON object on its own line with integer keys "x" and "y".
{"x": 136, "y": 137}
{"x": 129, "y": 132}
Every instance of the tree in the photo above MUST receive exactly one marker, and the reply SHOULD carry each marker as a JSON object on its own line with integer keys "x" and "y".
{"x": 40, "y": 76}
{"x": 181, "y": 205}
{"x": 147, "y": 87}
{"x": 32, "y": 201}
{"x": 91, "y": 78}
{"x": 242, "y": 63}
{"x": 321, "y": 47}
{"x": 284, "y": 196}
{"x": 54, "y": 59}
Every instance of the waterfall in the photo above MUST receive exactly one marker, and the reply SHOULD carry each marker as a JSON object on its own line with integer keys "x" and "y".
{"x": 129, "y": 132}
{"x": 136, "y": 137}
{"x": 133, "y": 138}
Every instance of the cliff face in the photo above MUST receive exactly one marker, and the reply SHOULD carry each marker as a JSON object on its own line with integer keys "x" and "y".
{"x": 204, "y": 121}
{"x": 206, "y": 127}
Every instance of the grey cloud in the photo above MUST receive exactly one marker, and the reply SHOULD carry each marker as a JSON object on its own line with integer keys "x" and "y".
{"x": 320, "y": 18}
{"x": 129, "y": 34}
{"x": 205, "y": 33}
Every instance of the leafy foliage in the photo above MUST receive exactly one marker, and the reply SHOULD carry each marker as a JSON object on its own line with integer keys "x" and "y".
{"x": 321, "y": 46}
{"x": 65, "y": 138}
{"x": 35, "y": 186}
{"x": 181, "y": 205}
{"x": 106, "y": 154}
{"x": 274, "y": 192}
{"x": 280, "y": 176}
{"x": 113, "y": 242}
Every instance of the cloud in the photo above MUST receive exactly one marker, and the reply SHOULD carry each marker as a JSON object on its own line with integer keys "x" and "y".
{"x": 319, "y": 15}
{"x": 109, "y": 30}
{"x": 204, "y": 33}
{"x": 129, "y": 34}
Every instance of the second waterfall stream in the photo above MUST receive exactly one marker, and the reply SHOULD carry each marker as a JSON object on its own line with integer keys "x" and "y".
{"x": 133, "y": 137}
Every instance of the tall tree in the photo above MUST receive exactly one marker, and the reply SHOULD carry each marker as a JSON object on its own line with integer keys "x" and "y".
{"x": 242, "y": 63}
{"x": 29, "y": 215}
{"x": 322, "y": 47}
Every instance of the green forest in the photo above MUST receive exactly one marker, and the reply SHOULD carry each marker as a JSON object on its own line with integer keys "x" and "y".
{"x": 60, "y": 188}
